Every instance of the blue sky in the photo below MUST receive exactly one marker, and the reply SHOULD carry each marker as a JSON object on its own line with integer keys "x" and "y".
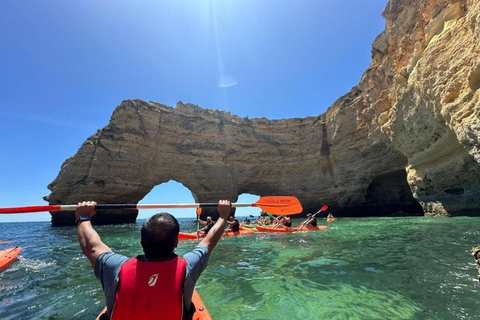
{"x": 66, "y": 65}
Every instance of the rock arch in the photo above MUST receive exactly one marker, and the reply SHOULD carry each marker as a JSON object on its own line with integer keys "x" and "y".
{"x": 213, "y": 154}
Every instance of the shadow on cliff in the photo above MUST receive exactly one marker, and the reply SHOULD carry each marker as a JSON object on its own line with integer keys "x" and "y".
{"x": 387, "y": 195}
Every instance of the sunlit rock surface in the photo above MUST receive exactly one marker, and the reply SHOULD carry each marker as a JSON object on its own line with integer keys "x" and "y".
{"x": 404, "y": 140}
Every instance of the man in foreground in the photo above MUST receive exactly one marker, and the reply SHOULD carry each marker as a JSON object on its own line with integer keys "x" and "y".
{"x": 158, "y": 283}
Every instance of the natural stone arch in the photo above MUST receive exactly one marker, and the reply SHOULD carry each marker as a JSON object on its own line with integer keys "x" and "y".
{"x": 210, "y": 152}
{"x": 216, "y": 156}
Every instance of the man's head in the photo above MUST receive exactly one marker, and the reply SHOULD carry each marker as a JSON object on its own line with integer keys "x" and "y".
{"x": 209, "y": 219}
{"x": 309, "y": 215}
{"x": 160, "y": 236}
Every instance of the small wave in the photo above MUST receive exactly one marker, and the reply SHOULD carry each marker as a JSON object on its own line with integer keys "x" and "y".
{"x": 34, "y": 265}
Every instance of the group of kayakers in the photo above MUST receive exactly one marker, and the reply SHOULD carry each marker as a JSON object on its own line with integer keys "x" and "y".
{"x": 283, "y": 221}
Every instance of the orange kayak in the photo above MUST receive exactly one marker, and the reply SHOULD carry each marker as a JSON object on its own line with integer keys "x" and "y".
{"x": 265, "y": 229}
{"x": 7, "y": 256}
{"x": 200, "y": 314}
{"x": 193, "y": 235}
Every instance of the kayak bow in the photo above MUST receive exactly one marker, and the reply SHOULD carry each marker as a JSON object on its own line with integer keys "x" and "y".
{"x": 7, "y": 256}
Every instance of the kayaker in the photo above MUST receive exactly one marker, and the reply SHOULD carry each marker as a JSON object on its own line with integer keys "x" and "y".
{"x": 282, "y": 222}
{"x": 208, "y": 223}
{"x": 157, "y": 284}
{"x": 311, "y": 221}
{"x": 330, "y": 217}
{"x": 286, "y": 222}
{"x": 234, "y": 226}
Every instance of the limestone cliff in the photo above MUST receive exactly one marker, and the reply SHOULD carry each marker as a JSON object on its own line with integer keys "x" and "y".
{"x": 434, "y": 99}
{"x": 404, "y": 139}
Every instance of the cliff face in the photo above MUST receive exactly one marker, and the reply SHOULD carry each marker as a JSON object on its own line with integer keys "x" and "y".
{"x": 404, "y": 139}
{"x": 434, "y": 97}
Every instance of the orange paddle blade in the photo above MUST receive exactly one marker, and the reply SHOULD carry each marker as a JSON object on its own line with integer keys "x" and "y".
{"x": 199, "y": 211}
{"x": 284, "y": 205}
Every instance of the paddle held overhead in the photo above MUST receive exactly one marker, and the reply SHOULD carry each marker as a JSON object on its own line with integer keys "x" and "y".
{"x": 284, "y": 205}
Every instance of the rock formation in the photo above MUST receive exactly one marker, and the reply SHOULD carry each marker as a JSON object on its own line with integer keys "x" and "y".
{"x": 404, "y": 139}
{"x": 434, "y": 98}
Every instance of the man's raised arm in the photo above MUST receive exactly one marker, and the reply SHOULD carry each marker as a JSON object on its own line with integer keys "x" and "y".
{"x": 211, "y": 240}
{"x": 89, "y": 240}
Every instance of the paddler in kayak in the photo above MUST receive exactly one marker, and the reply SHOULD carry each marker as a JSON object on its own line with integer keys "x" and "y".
{"x": 310, "y": 222}
{"x": 209, "y": 223}
{"x": 157, "y": 285}
{"x": 330, "y": 217}
{"x": 246, "y": 224}
{"x": 282, "y": 222}
{"x": 233, "y": 224}
{"x": 286, "y": 222}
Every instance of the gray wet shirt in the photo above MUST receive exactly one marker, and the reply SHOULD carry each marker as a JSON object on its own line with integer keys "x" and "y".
{"x": 108, "y": 264}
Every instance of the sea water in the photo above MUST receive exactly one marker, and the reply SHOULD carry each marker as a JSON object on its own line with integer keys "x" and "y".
{"x": 360, "y": 268}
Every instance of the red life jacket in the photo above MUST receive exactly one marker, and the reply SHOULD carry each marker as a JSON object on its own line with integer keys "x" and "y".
{"x": 150, "y": 290}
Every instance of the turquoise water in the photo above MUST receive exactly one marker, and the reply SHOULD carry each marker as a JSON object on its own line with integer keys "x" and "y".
{"x": 365, "y": 268}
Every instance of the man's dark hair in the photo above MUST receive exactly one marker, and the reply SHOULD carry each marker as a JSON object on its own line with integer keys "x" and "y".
{"x": 159, "y": 234}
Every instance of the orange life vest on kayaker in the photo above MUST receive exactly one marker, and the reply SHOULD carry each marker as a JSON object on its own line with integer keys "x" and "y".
{"x": 150, "y": 290}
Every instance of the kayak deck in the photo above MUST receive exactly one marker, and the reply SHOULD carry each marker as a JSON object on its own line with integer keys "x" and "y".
{"x": 7, "y": 256}
{"x": 193, "y": 235}
{"x": 201, "y": 312}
